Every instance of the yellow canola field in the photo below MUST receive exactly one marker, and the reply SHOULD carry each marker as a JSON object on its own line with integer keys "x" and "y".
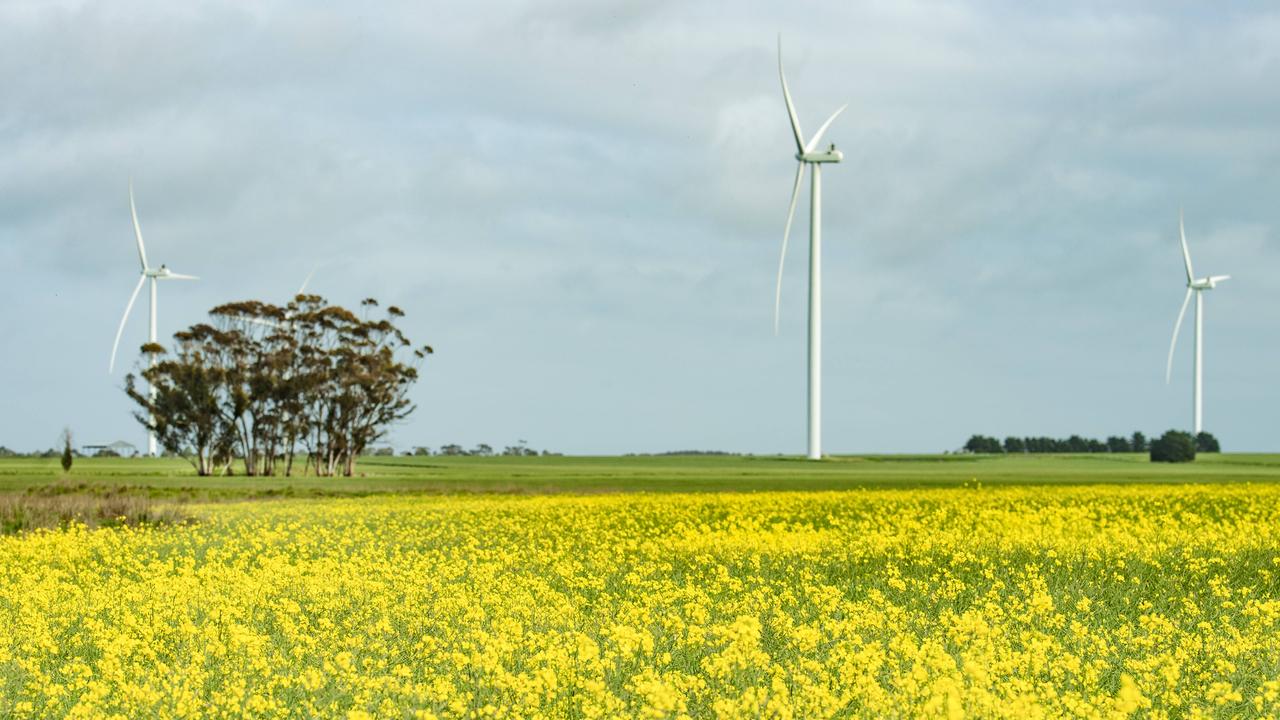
{"x": 1092, "y": 601}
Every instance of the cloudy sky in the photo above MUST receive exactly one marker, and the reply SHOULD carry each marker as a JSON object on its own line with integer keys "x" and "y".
{"x": 580, "y": 205}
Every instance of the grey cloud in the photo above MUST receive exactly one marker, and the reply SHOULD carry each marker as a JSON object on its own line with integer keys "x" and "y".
{"x": 580, "y": 205}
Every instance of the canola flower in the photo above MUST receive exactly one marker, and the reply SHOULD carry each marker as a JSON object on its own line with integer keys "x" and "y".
{"x": 1101, "y": 601}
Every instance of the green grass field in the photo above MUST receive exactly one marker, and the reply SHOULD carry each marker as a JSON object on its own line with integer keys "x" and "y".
{"x": 436, "y": 475}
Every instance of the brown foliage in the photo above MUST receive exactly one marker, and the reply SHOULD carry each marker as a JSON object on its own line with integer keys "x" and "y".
{"x": 266, "y": 383}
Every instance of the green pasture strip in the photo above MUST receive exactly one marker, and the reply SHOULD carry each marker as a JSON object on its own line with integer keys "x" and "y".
{"x": 537, "y": 475}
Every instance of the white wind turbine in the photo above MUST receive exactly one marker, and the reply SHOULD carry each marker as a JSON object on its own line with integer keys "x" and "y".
{"x": 807, "y": 154}
{"x": 1196, "y": 286}
{"x": 288, "y": 316}
{"x": 154, "y": 274}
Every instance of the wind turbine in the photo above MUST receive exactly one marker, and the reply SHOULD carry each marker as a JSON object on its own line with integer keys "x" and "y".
{"x": 154, "y": 274}
{"x": 807, "y": 154}
{"x": 288, "y": 316}
{"x": 1197, "y": 287}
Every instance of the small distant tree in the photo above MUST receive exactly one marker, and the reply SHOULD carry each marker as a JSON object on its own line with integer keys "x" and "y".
{"x": 1014, "y": 445}
{"x": 1174, "y": 446}
{"x": 66, "y": 450}
{"x": 1207, "y": 443}
{"x": 1138, "y": 443}
{"x": 452, "y": 449}
{"x": 483, "y": 450}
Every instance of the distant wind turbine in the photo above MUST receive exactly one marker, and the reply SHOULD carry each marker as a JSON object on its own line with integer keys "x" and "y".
{"x": 807, "y": 154}
{"x": 1197, "y": 287}
{"x": 154, "y": 274}
{"x": 288, "y": 316}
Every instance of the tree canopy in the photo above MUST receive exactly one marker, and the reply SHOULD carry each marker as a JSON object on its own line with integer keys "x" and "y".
{"x": 264, "y": 383}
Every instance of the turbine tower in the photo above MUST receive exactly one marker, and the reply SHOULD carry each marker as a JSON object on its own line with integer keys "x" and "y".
{"x": 1197, "y": 287}
{"x": 807, "y": 154}
{"x": 154, "y": 274}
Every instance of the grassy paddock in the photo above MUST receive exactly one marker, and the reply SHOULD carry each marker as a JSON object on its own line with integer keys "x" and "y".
{"x": 175, "y": 478}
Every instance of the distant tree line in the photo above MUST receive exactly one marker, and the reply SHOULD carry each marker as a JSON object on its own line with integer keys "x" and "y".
{"x": 693, "y": 453}
{"x": 43, "y": 454}
{"x": 1135, "y": 443}
{"x": 264, "y": 384}
{"x": 709, "y": 453}
{"x": 520, "y": 449}
{"x": 481, "y": 450}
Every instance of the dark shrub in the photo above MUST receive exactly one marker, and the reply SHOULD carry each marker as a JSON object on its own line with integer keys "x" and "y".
{"x": 983, "y": 444}
{"x": 66, "y": 450}
{"x": 1207, "y": 443}
{"x": 1174, "y": 446}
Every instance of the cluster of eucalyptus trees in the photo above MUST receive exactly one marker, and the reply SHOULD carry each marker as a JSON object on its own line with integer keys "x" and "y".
{"x": 268, "y": 384}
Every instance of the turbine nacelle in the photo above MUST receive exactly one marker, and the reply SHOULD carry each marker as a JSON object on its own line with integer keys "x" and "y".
{"x": 830, "y": 155}
{"x": 164, "y": 273}
{"x": 1208, "y": 283}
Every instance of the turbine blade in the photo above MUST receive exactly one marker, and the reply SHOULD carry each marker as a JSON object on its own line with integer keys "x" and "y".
{"x": 786, "y": 233}
{"x": 1219, "y": 278}
{"x": 817, "y": 137}
{"x": 125, "y": 318}
{"x": 791, "y": 108}
{"x": 260, "y": 321}
{"x": 1168, "y": 368}
{"x": 306, "y": 282}
{"x": 1186, "y": 253}
{"x": 177, "y": 276}
{"x": 137, "y": 229}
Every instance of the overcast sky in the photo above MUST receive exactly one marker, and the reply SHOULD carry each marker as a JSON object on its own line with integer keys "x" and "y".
{"x": 580, "y": 205}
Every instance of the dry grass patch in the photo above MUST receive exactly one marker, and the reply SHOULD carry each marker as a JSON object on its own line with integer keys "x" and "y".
{"x": 58, "y": 506}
